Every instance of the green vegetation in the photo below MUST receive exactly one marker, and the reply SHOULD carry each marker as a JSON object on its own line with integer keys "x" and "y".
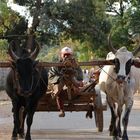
{"x": 82, "y": 24}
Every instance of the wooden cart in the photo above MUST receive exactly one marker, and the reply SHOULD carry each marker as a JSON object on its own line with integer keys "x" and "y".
{"x": 87, "y": 100}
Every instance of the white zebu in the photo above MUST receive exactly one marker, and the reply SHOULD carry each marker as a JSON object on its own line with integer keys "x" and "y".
{"x": 120, "y": 81}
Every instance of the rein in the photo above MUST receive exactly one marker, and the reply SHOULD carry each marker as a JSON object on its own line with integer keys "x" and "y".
{"x": 107, "y": 73}
{"x": 126, "y": 79}
{"x": 17, "y": 84}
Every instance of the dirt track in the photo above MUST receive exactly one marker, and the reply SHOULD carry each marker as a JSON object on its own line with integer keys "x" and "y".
{"x": 48, "y": 126}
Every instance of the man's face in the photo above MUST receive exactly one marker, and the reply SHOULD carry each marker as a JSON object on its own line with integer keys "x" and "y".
{"x": 66, "y": 55}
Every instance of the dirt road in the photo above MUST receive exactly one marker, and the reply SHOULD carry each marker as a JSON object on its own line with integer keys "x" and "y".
{"x": 48, "y": 126}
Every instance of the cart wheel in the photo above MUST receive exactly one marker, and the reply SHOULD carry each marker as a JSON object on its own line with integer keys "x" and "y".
{"x": 98, "y": 112}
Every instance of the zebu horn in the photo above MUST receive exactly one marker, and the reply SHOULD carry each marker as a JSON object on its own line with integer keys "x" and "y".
{"x": 111, "y": 48}
{"x": 34, "y": 54}
{"x": 11, "y": 52}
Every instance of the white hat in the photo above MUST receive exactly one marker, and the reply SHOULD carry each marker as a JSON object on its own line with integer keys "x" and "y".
{"x": 66, "y": 50}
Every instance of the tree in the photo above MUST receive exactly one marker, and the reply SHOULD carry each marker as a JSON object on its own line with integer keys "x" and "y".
{"x": 11, "y": 22}
{"x": 80, "y": 20}
{"x": 8, "y": 21}
{"x": 125, "y": 23}
{"x": 85, "y": 22}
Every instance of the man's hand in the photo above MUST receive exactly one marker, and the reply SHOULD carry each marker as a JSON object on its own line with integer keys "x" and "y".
{"x": 81, "y": 84}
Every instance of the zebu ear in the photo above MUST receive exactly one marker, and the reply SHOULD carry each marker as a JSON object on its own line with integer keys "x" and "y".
{"x": 136, "y": 62}
{"x": 112, "y": 61}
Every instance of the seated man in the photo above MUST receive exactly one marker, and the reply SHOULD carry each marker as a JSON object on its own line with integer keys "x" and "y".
{"x": 57, "y": 79}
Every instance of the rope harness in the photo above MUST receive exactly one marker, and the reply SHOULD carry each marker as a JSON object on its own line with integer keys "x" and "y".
{"x": 17, "y": 86}
{"x": 127, "y": 79}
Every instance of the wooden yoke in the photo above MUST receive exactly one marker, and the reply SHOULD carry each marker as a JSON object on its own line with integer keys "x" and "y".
{"x": 90, "y": 63}
{"x": 6, "y": 64}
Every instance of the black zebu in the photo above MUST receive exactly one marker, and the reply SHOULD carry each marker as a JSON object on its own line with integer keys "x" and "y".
{"x": 25, "y": 85}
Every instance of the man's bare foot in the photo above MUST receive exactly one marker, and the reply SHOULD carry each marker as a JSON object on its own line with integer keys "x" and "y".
{"x": 62, "y": 114}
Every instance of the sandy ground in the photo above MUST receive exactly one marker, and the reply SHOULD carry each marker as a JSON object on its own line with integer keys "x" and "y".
{"x": 48, "y": 126}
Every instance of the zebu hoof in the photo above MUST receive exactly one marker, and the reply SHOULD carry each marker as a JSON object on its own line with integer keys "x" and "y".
{"x": 125, "y": 138}
{"x": 28, "y": 138}
{"x": 14, "y": 138}
{"x": 110, "y": 128}
{"x": 120, "y": 134}
{"x": 22, "y": 136}
{"x": 111, "y": 133}
{"x": 116, "y": 138}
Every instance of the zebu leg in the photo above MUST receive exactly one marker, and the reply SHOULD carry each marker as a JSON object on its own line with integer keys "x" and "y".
{"x": 112, "y": 122}
{"x": 126, "y": 119}
{"x": 31, "y": 108}
{"x": 119, "y": 122}
{"x": 16, "y": 120}
{"x": 125, "y": 123}
{"x": 29, "y": 123}
{"x": 111, "y": 126}
{"x": 22, "y": 115}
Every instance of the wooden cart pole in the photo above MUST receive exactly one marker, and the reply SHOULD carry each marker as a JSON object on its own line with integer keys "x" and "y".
{"x": 90, "y": 63}
{"x": 6, "y": 64}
